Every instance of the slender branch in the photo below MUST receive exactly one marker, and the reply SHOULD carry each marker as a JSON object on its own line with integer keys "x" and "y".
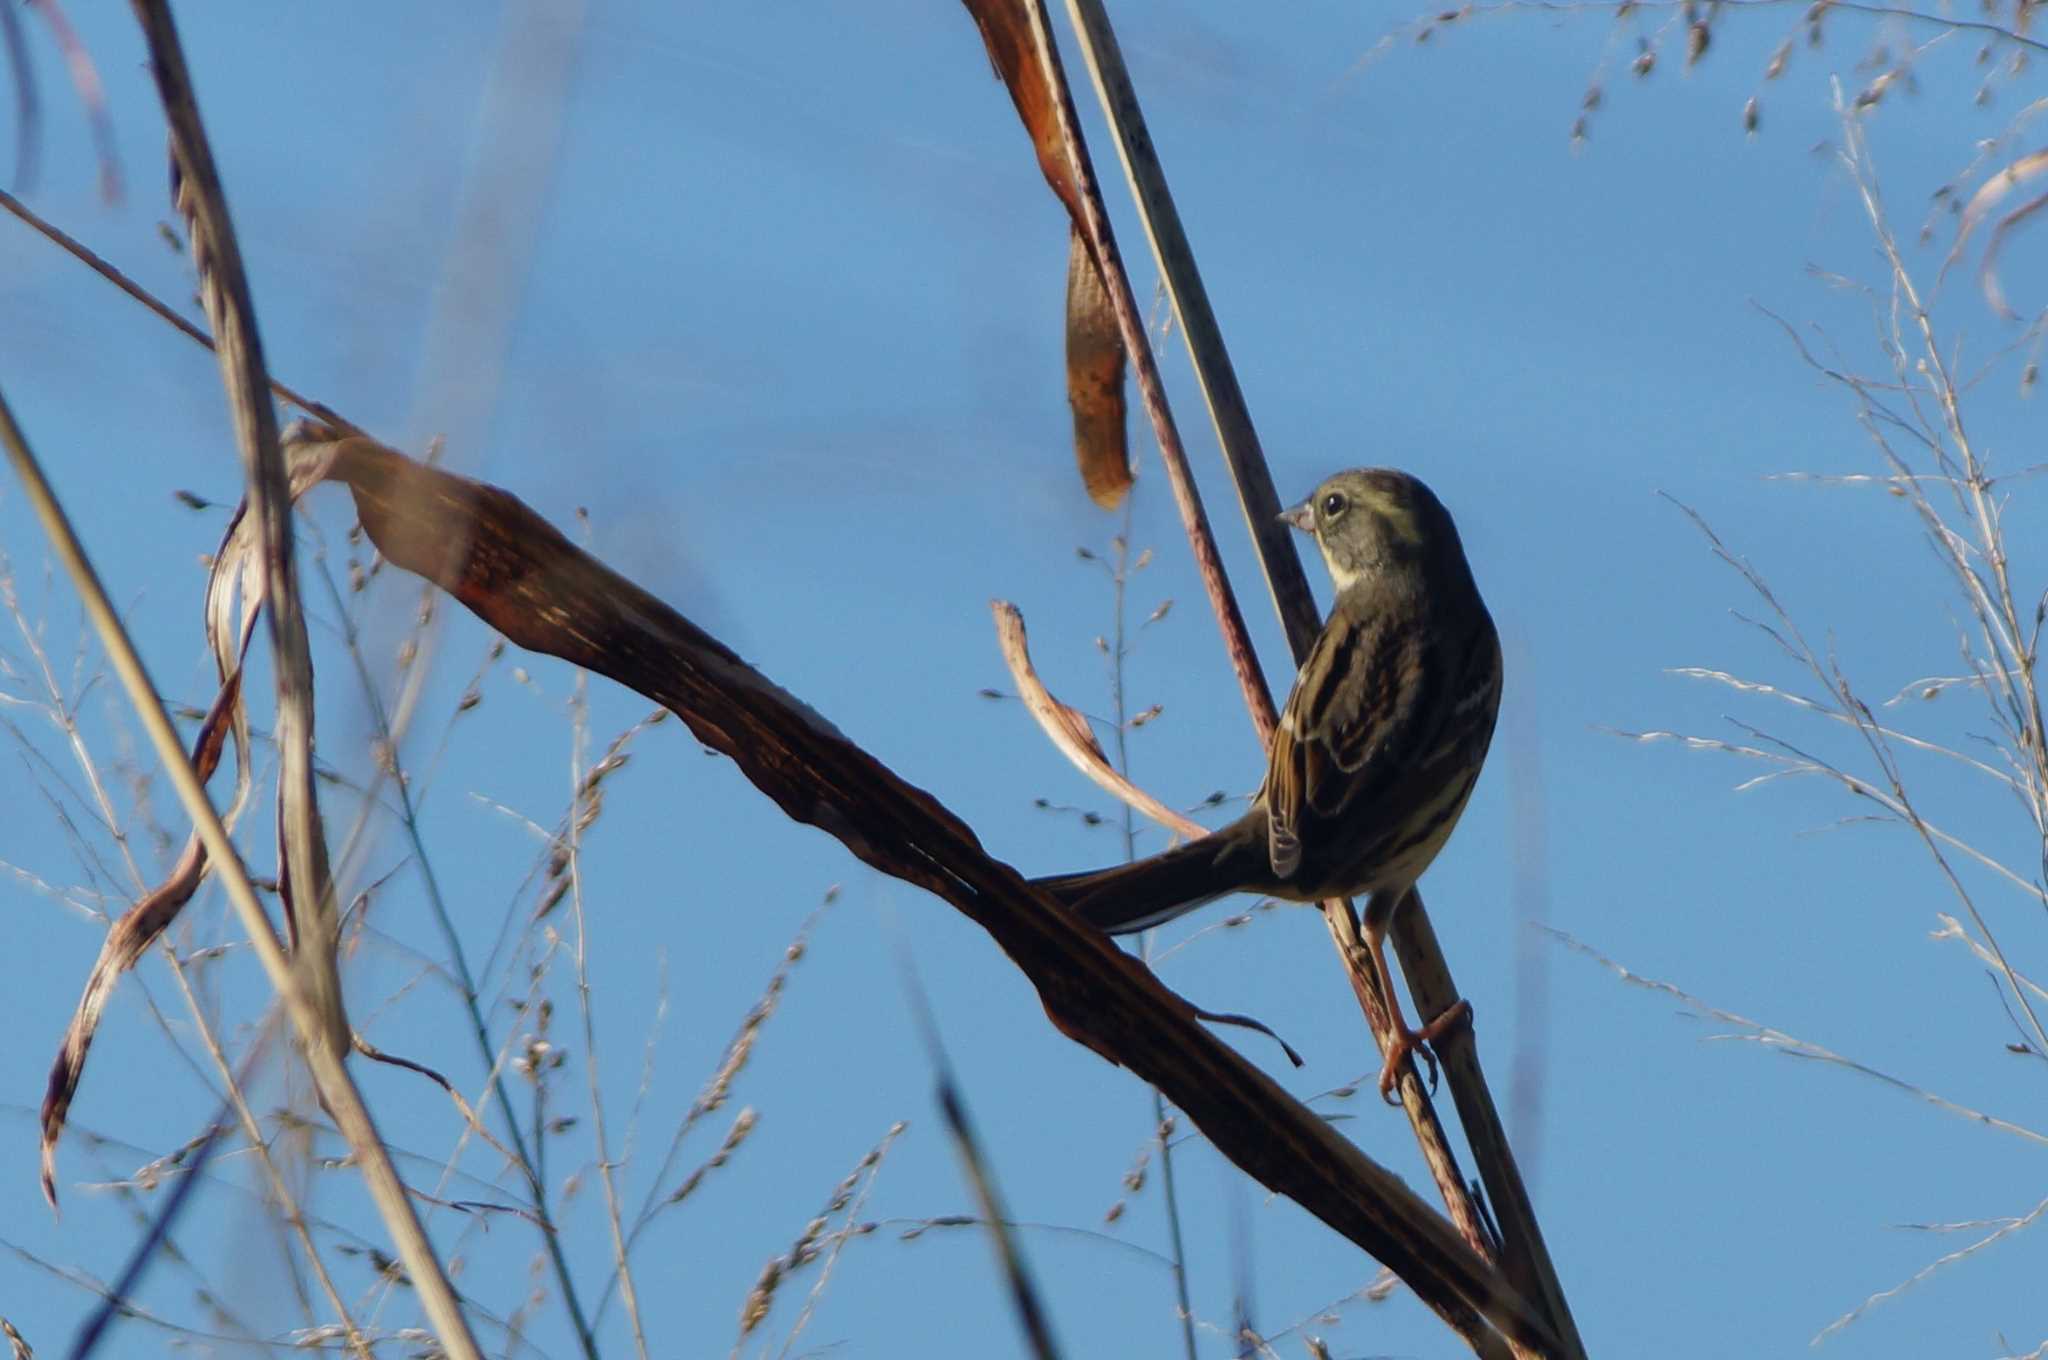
{"x": 1093, "y": 221}
{"x": 49, "y": 231}
{"x": 1169, "y": 1184}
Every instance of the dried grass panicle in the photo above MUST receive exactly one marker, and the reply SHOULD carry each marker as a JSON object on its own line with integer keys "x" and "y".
{"x": 585, "y": 809}
{"x": 1913, "y": 415}
{"x": 743, "y": 1124}
{"x": 715, "y": 1092}
{"x": 818, "y": 1238}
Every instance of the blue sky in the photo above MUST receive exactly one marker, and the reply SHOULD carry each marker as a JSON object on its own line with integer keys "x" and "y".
{"x": 786, "y": 326}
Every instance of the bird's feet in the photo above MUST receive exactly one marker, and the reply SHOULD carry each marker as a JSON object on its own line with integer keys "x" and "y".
{"x": 1407, "y": 1042}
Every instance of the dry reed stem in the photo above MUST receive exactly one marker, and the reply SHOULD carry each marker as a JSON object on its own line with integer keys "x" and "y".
{"x": 1526, "y": 1259}
{"x": 305, "y": 886}
{"x": 1084, "y": 201}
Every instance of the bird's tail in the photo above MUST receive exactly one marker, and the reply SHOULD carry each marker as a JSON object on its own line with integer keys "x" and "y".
{"x": 1137, "y": 896}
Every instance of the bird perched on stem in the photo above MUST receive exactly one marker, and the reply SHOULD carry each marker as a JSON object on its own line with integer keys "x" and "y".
{"x": 1377, "y": 750}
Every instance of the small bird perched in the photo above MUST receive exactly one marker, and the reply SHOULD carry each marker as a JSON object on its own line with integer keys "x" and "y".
{"x": 1377, "y": 750}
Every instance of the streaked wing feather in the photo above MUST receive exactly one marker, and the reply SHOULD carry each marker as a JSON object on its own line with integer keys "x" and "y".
{"x": 1369, "y": 716}
{"x": 1283, "y": 799}
{"x": 1381, "y": 703}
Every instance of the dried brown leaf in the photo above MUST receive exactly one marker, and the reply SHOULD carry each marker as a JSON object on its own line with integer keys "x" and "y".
{"x": 1095, "y": 380}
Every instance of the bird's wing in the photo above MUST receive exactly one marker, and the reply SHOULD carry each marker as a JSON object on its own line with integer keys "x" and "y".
{"x": 1379, "y": 702}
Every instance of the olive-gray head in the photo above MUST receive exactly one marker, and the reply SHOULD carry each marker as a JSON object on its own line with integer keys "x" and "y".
{"x": 1379, "y": 522}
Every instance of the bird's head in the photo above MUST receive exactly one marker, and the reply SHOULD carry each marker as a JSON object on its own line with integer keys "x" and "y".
{"x": 1377, "y": 521}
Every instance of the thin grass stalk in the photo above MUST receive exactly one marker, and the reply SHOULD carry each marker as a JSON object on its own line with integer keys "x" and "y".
{"x": 628, "y": 1295}
{"x": 287, "y": 1203}
{"x": 314, "y": 996}
{"x": 1244, "y": 661}
{"x": 163, "y": 312}
{"x": 465, "y": 979}
{"x": 1121, "y": 578}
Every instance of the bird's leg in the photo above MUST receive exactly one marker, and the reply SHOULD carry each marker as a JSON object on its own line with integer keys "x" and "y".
{"x": 1401, "y": 1040}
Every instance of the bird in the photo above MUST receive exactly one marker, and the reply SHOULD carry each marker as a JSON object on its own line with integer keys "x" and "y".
{"x": 1376, "y": 753}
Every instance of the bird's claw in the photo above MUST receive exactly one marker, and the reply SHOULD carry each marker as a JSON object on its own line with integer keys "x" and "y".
{"x": 1405, "y": 1043}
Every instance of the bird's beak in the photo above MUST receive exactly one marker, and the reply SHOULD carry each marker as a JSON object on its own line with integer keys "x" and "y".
{"x": 1302, "y": 517}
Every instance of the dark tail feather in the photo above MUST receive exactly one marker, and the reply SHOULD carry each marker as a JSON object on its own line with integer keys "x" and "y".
{"x": 1149, "y": 892}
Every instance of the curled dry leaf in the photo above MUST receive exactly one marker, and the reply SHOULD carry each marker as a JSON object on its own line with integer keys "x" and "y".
{"x": 1069, "y": 728}
{"x": 140, "y": 926}
{"x": 1095, "y": 380}
{"x": 1988, "y": 196}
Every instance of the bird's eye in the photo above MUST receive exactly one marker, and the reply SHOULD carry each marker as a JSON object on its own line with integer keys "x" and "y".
{"x": 1334, "y": 504}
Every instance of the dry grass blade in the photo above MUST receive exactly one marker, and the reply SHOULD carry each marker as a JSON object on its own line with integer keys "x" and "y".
{"x": 1791, "y": 1045}
{"x": 133, "y": 933}
{"x": 1069, "y": 728}
{"x": 2004, "y": 1230}
{"x": 524, "y": 578}
{"x": 153, "y": 913}
{"x": 1026, "y": 41}
{"x": 1952, "y": 929}
{"x": 1095, "y": 380}
{"x": 28, "y": 110}
{"x": 85, "y": 79}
